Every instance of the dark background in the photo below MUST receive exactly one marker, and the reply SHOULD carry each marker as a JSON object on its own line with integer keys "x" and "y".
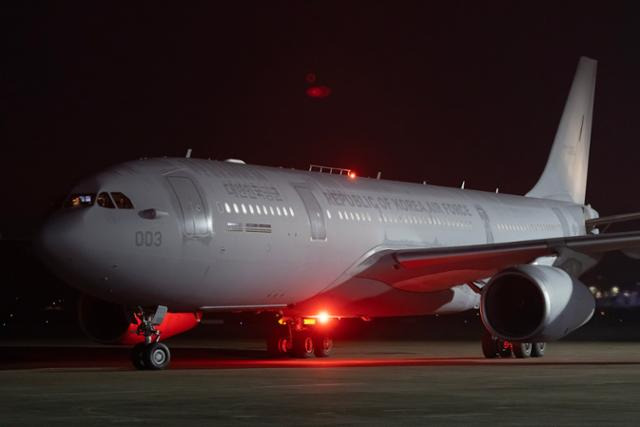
{"x": 463, "y": 90}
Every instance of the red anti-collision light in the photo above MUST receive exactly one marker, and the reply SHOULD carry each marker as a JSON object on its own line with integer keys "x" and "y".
{"x": 323, "y": 317}
{"x": 318, "y": 91}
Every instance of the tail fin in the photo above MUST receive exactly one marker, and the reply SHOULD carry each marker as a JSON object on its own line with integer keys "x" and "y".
{"x": 565, "y": 175}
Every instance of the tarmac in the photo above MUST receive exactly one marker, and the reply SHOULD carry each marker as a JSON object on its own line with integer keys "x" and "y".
{"x": 364, "y": 383}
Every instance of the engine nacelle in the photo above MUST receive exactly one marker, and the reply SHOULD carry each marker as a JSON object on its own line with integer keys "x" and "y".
{"x": 534, "y": 303}
{"x": 110, "y": 323}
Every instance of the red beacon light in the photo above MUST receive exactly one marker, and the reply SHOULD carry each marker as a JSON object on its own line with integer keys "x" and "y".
{"x": 323, "y": 317}
{"x": 352, "y": 175}
{"x": 318, "y": 91}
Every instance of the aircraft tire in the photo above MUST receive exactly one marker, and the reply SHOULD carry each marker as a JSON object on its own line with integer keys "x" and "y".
{"x": 303, "y": 345}
{"x": 157, "y": 356}
{"x": 278, "y": 343}
{"x": 489, "y": 346}
{"x": 537, "y": 350}
{"x": 137, "y": 356}
{"x": 322, "y": 345}
{"x": 522, "y": 350}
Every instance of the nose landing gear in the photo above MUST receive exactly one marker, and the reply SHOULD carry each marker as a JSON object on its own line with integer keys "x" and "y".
{"x": 150, "y": 354}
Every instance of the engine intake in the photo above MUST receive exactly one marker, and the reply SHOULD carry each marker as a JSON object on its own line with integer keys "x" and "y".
{"x": 532, "y": 303}
{"x": 110, "y": 323}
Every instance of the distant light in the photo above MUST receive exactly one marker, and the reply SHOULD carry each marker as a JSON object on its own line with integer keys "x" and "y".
{"x": 352, "y": 175}
{"x": 318, "y": 91}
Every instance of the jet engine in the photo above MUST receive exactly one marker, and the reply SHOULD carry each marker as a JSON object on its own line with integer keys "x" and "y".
{"x": 110, "y": 323}
{"x": 532, "y": 303}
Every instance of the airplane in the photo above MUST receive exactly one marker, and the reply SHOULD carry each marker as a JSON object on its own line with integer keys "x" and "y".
{"x": 154, "y": 244}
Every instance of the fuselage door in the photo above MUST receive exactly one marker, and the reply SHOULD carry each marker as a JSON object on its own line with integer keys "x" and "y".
{"x": 193, "y": 209}
{"x": 314, "y": 212}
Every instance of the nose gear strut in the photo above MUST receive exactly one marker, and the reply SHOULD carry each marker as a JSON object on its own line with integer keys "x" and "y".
{"x": 151, "y": 354}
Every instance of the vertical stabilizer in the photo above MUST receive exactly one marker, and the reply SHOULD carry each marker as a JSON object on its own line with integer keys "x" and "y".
{"x": 565, "y": 175}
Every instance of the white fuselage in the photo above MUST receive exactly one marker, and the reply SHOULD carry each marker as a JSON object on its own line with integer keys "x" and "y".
{"x": 232, "y": 236}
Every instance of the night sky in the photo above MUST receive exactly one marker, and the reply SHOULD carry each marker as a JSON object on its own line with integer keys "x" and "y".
{"x": 465, "y": 90}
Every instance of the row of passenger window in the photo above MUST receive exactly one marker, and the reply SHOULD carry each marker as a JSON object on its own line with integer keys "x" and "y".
{"x": 344, "y": 215}
{"x": 400, "y": 219}
{"x": 250, "y": 209}
{"x": 255, "y": 209}
{"x": 527, "y": 227}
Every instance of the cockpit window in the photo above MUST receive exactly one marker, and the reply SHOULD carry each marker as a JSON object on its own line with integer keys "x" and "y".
{"x": 80, "y": 200}
{"x": 104, "y": 200}
{"x": 122, "y": 201}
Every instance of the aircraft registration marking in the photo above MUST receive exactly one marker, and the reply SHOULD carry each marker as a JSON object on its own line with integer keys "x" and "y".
{"x": 148, "y": 238}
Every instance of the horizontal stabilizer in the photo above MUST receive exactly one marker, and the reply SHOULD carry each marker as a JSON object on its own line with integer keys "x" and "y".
{"x": 590, "y": 224}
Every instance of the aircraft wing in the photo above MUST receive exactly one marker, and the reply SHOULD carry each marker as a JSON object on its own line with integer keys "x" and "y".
{"x": 432, "y": 269}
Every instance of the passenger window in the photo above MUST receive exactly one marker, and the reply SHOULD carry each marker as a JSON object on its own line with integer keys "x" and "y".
{"x": 83, "y": 200}
{"x": 122, "y": 201}
{"x": 105, "y": 201}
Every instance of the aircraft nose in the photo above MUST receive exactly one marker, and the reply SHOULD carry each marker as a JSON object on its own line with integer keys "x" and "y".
{"x": 61, "y": 240}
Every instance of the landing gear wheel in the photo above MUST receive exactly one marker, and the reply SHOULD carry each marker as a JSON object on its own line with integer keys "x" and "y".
{"x": 493, "y": 347}
{"x": 137, "y": 356}
{"x": 303, "y": 345}
{"x": 278, "y": 342}
{"x": 522, "y": 350}
{"x": 156, "y": 356}
{"x": 489, "y": 346}
{"x": 537, "y": 349}
{"x": 322, "y": 345}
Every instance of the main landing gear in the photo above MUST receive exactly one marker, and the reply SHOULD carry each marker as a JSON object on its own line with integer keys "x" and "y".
{"x": 299, "y": 338}
{"x": 150, "y": 354}
{"x": 494, "y": 347}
